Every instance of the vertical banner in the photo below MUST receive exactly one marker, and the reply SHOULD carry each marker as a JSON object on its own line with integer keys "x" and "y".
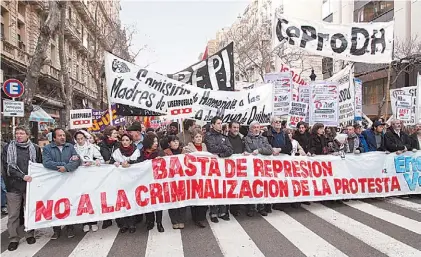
{"x": 297, "y": 81}
{"x": 282, "y": 84}
{"x": 403, "y": 102}
{"x": 304, "y": 97}
{"x": 297, "y": 113}
{"x": 80, "y": 118}
{"x": 324, "y": 103}
{"x": 358, "y": 86}
{"x": 418, "y": 100}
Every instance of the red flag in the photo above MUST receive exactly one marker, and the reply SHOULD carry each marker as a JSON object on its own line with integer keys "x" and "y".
{"x": 205, "y": 55}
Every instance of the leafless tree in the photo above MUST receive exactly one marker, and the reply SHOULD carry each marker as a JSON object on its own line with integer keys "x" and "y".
{"x": 48, "y": 30}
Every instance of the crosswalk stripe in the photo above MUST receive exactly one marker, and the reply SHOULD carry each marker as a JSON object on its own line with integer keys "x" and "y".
{"x": 405, "y": 204}
{"x": 233, "y": 240}
{"x": 4, "y": 223}
{"x": 378, "y": 240}
{"x": 25, "y": 250}
{"x": 168, "y": 243}
{"x": 399, "y": 220}
{"x": 96, "y": 244}
{"x": 303, "y": 238}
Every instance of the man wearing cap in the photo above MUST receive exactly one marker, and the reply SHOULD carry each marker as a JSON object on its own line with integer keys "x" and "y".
{"x": 135, "y": 131}
{"x": 375, "y": 137}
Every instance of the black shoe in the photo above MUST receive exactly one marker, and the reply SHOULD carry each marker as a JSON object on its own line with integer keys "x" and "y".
{"x": 263, "y": 213}
{"x": 278, "y": 207}
{"x": 250, "y": 213}
{"x": 132, "y": 230}
{"x": 236, "y": 213}
{"x": 268, "y": 209}
{"x": 31, "y": 240}
{"x": 160, "y": 227}
{"x": 106, "y": 224}
{"x": 306, "y": 203}
{"x": 200, "y": 224}
{"x": 150, "y": 225}
{"x": 345, "y": 200}
{"x": 139, "y": 218}
{"x": 226, "y": 217}
{"x": 123, "y": 230}
{"x": 214, "y": 220}
{"x": 296, "y": 205}
{"x": 70, "y": 233}
{"x": 13, "y": 246}
{"x": 56, "y": 235}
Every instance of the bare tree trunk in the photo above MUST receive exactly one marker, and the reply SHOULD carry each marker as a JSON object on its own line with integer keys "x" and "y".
{"x": 66, "y": 86}
{"x": 47, "y": 31}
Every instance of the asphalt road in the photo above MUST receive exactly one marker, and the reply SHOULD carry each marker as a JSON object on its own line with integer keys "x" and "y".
{"x": 384, "y": 227}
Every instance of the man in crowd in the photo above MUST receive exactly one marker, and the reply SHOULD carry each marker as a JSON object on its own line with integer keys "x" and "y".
{"x": 302, "y": 136}
{"x": 277, "y": 138}
{"x": 15, "y": 162}
{"x": 237, "y": 143}
{"x": 395, "y": 140}
{"x": 416, "y": 137}
{"x": 258, "y": 144}
{"x": 218, "y": 144}
{"x": 62, "y": 157}
{"x": 185, "y": 135}
{"x": 135, "y": 131}
{"x": 173, "y": 128}
{"x": 352, "y": 143}
{"x": 375, "y": 137}
{"x": 358, "y": 130}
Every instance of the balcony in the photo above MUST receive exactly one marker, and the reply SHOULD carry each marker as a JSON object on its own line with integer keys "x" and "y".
{"x": 82, "y": 89}
{"x": 39, "y": 5}
{"x": 84, "y": 13}
{"x": 72, "y": 32}
{"x": 50, "y": 73}
{"x": 17, "y": 54}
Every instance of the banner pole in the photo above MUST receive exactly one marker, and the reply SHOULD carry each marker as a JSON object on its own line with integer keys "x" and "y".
{"x": 110, "y": 112}
{"x": 387, "y": 91}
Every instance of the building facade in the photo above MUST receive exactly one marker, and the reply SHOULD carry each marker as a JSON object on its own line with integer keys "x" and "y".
{"x": 89, "y": 25}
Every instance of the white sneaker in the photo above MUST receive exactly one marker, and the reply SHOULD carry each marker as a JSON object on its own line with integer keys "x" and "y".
{"x": 94, "y": 228}
{"x": 86, "y": 228}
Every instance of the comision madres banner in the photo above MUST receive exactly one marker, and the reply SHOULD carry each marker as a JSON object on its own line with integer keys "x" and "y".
{"x": 92, "y": 194}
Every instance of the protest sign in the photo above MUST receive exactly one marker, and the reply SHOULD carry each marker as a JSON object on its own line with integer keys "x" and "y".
{"x": 358, "y": 104}
{"x": 297, "y": 81}
{"x": 418, "y": 100}
{"x": 357, "y": 42}
{"x": 127, "y": 110}
{"x": 90, "y": 194}
{"x": 215, "y": 73}
{"x": 324, "y": 103}
{"x": 101, "y": 119}
{"x": 80, "y": 118}
{"x": 404, "y": 98}
{"x": 242, "y": 106}
{"x": 282, "y": 85}
{"x": 344, "y": 79}
{"x": 297, "y": 113}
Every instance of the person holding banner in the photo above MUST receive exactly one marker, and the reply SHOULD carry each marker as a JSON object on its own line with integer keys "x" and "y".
{"x": 255, "y": 144}
{"x": 124, "y": 156}
{"x": 302, "y": 136}
{"x": 318, "y": 142}
{"x": 15, "y": 161}
{"x": 135, "y": 131}
{"x": 353, "y": 143}
{"x": 198, "y": 213}
{"x": 375, "y": 137}
{"x": 218, "y": 144}
{"x": 416, "y": 137}
{"x": 297, "y": 150}
{"x": 277, "y": 138}
{"x": 185, "y": 135}
{"x": 149, "y": 152}
{"x": 395, "y": 140}
{"x": 62, "y": 157}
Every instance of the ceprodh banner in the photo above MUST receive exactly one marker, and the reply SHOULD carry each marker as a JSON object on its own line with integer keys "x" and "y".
{"x": 92, "y": 194}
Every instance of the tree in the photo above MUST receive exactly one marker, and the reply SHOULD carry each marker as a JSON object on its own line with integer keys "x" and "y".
{"x": 47, "y": 31}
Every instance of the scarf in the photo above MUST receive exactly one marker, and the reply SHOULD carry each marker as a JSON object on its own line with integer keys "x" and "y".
{"x": 110, "y": 142}
{"x": 12, "y": 157}
{"x": 198, "y": 147}
{"x": 176, "y": 151}
{"x": 127, "y": 151}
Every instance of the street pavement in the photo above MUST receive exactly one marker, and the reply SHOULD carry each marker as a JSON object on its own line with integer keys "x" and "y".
{"x": 363, "y": 228}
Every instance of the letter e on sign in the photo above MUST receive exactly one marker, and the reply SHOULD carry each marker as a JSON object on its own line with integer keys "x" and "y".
{"x": 13, "y": 88}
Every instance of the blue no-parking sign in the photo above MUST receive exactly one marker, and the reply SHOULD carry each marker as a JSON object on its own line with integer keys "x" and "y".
{"x": 13, "y": 88}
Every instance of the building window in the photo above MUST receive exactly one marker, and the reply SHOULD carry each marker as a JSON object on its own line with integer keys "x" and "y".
{"x": 372, "y": 10}
{"x": 4, "y": 24}
{"x": 373, "y": 91}
{"x": 70, "y": 13}
{"x": 21, "y": 36}
{"x": 53, "y": 55}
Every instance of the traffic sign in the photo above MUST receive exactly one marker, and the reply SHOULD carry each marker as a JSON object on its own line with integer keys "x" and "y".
{"x": 13, "y": 88}
{"x": 13, "y": 109}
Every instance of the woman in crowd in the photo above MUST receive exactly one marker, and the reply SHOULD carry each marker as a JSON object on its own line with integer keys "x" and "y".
{"x": 318, "y": 142}
{"x": 90, "y": 155}
{"x": 198, "y": 213}
{"x": 333, "y": 144}
{"x": 107, "y": 146}
{"x": 149, "y": 152}
{"x": 124, "y": 156}
{"x": 296, "y": 147}
{"x": 177, "y": 215}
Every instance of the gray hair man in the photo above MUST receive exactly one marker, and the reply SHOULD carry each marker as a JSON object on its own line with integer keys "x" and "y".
{"x": 395, "y": 140}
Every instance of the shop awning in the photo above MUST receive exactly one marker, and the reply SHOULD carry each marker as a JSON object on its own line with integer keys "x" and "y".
{"x": 39, "y": 115}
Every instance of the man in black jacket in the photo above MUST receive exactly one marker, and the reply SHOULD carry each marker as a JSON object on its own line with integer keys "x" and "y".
{"x": 302, "y": 136}
{"x": 416, "y": 137}
{"x": 396, "y": 140}
{"x": 277, "y": 138}
{"x": 218, "y": 144}
{"x": 15, "y": 162}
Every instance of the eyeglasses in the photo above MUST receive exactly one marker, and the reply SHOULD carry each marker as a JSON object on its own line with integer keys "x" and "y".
{"x": 277, "y": 121}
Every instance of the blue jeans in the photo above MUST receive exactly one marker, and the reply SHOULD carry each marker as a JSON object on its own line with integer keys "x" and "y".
{"x": 3, "y": 193}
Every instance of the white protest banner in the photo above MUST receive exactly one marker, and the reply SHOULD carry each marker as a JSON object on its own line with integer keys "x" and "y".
{"x": 404, "y": 97}
{"x": 304, "y": 97}
{"x": 418, "y": 100}
{"x": 242, "y": 106}
{"x": 358, "y": 104}
{"x": 324, "y": 103}
{"x": 297, "y": 113}
{"x": 80, "y": 118}
{"x": 132, "y": 85}
{"x": 357, "y": 42}
{"x": 297, "y": 81}
{"x": 91, "y": 194}
{"x": 282, "y": 85}
{"x": 345, "y": 81}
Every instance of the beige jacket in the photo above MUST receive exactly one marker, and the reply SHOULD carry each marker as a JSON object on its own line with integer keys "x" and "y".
{"x": 192, "y": 148}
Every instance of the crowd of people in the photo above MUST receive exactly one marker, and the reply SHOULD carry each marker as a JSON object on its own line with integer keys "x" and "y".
{"x": 123, "y": 147}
